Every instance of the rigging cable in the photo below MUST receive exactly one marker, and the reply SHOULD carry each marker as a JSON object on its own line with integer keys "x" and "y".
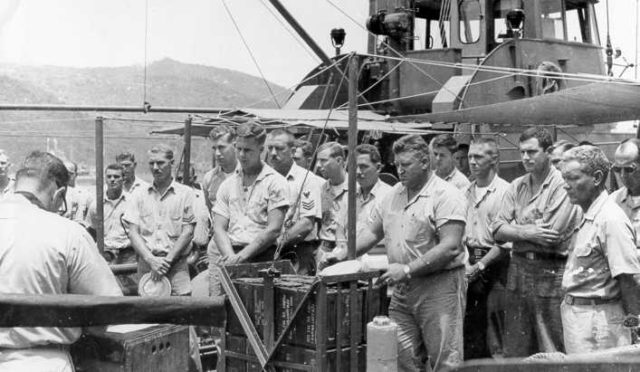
{"x": 273, "y": 96}
{"x": 146, "y": 40}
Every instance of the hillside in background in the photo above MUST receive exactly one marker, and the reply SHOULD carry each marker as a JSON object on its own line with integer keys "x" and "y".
{"x": 168, "y": 83}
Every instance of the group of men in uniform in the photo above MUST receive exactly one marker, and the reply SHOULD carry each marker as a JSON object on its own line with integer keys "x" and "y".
{"x": 545, "y": 263}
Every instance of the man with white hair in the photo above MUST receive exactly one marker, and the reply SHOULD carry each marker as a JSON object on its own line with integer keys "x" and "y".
{"x": 602, "y": 277}
{"x": 43, "y": 253}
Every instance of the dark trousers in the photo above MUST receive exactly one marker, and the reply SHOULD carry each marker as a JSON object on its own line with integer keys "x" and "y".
{"x": 483, "y": 324}
{"x": 533, "y": 297}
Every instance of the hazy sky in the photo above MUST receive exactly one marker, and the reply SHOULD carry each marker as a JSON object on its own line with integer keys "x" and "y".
{"x": 112, "y": 33}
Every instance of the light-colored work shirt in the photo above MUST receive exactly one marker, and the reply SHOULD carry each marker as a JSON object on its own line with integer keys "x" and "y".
{"x": 630, "y": 207}
{"x": 43, "y": 253}
{"x": 138, "y": 183}
{"x": 364, "y": 207}
{"x": 77, "y": 204}
{"x": 212, "y": 181}
{"x": 334, "y": 202}
{"x": 549, "y": 207}
{"x": 603, "y": 247}
{"x": 305, "y": 198}
{"x": 482, "y": 208}
{"x": 410, "y": 227}
{"x": 458, "y": 179}
{"x": 247, "y": 208}
{"x": 8, "y": 190}
{"x": 161, "y": 217}
{"x": 115, "y": 237}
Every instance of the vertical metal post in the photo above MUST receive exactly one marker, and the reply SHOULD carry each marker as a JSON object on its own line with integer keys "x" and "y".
{"x": 351, "y": 167}
{"x": 186, "y": 169}
{"x": 100, "y": 182}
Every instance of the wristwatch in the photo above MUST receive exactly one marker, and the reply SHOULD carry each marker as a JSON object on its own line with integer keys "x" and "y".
{"x": 407, "y": 271}
{"x": 481, "y": 266}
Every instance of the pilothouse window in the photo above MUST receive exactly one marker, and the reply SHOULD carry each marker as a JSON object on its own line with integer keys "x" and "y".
{"x": 470, "y": 17}
{"x": 552, "y": 18}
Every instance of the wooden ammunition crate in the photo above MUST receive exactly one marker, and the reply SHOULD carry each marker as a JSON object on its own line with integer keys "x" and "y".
{"x": 158, "y": 348}
{"x": 240, "y": 358}
{"x": 331, "y": 321}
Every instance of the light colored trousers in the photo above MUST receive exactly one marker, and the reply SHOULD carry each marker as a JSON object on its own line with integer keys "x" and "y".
{"x": 429, "y": 312}
{"x": 593, "y": 327}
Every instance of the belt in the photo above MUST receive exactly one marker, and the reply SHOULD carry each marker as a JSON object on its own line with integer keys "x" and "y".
{"x": 478, "y": 252}
{"x": 328, "y": 244}
{"x": 535, "y": 256}
{"x": 581, "y": 301}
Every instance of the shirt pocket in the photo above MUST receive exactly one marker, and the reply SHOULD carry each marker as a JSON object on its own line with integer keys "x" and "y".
{"x": 257, "y": 210}
{"x": 418, "y": 227}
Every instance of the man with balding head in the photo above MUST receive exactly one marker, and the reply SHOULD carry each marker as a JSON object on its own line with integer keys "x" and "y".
{"x": 44, "y": 253}
{"x": 626, "y": 166}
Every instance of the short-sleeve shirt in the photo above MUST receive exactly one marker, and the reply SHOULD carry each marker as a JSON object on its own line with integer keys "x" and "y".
{"x": 212, "y": 181}
{"x": 410, "y": 227}
{"x": 630, "y": 207}
{"x": 603, "y": 247}
{"x": 247, "y": 208}
{"x": 364, "y": 207}
{"x": 305, "y": 198}
{"x": 334, "y": 202}
{"x": 8, "y": 190}
{"x": 482, "y": 208}
{"x": 115, "y": 237}
{"x": 549, "y": 207}
{"x": 43, "y": 253}
{"x": 77, "y": 204}
{"x": 161, "y": 217}
{"x": 458, "y": 179}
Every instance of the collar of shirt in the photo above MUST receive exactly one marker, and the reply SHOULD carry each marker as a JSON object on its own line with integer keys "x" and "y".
{"x": 553, "y": 173}
{"x": 424, "y": 192}
{"x": 266, "y": 171}
{"x": 27, "y": 199}
{"x": 450, "y": 175}
{"x": 627, "y": 199}
{"x": 152, "y": 188}
{"x": 116, "y": 200}
{"x": 218, "y": 169}
{"x": 9, "y": 186}
{"x": 595, "y": 207}
{"x": 490, "y": 188}
{"x": 373, "y": 194}
{"x": 296, "y": 172}
{"x": 344, "y": 186}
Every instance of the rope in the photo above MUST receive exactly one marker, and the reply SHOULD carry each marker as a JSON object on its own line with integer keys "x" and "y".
{"x": 246, "y": 45}
{"x": 315, "y": 152}
{"x": 146, "y": 40}
{"x": 314, "y": 57}
{"x": 372, "y": 86}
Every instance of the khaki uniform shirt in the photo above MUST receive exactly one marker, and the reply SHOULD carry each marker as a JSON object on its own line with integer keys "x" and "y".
{"x": 138, "y": 183}
{"x": 161, "y": 216}
{"x": 212, "y": 181}
{"x": 458, "y": 179}
{"x": 603, "y": 247}
{"x": 549, "y": 207}
{"x": 43, "y": 253}
{"x": 410, "y": 227}
{"x": 482, "y": 209}
{"x": 248, "y": 208}
{"x": 8, "y": 190}
{"x": 115, "y": 237}
{"x": 364, "y": 208}
{"x": 630, "y": 208}
{"x": 305, "y": 198}
{"x": 334, "y": 202}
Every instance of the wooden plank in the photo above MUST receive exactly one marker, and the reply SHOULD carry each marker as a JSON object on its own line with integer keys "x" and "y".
{"x": 338, "y": 319}
{"x": 321, "y": 323}
{"x": 355, "y": 319}
{"x": 69, "y": 310}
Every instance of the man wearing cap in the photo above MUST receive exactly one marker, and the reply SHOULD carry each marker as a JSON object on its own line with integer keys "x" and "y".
{"x": 45, "y": 254}
{"x": 6, "y": 182}
{"x": 250, "y": 204}
{"x": 601, "y": 280}
{"x": 127, "y": 161}
{"x": 443, "y": 147}
{"x": 300, "y": 236}
{"x": 161, "y": 222}
{"x": 626, "y": 165}
{"x": 422, "y": 222}
{"x": 538, "y": 218}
